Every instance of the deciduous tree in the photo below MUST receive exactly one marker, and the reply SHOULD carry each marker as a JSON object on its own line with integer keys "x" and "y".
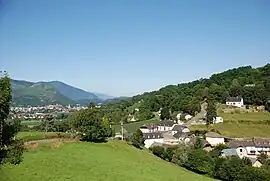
{"x": 10, "y": 149}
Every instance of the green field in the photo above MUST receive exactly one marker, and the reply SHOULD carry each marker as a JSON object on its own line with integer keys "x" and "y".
{"x": 31, "y": 122}
{"x": 252, "y": 116}
{"x": 241, "y": 125}
{"x": 112, "y": 161}
{"x": 30, "y": 136}
{"x": 132, "y": 127}
{"x": 239, "y": 130}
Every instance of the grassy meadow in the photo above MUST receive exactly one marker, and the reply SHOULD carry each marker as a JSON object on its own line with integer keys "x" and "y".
{"x": 132, "y": 127}
{"x": 253, "y": 124}
{"x": 250, "y": 116}
{"x": 112, "y": 161}
{"x": 35, "y": 135}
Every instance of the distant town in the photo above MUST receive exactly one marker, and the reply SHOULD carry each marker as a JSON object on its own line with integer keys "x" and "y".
{"x": 42, "y": 112}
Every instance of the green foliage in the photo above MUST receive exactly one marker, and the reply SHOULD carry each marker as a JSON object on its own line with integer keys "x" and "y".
{"x": 198, "y": 143}
{"x": 159, "y": 151}
{"x": 165, "y": 114}
{"x": 89, "y": 124}
{"x": 217, "y": 150}
{"x": 198, "y": 160}
{"x": 10, "y": 149}
{"x": 187, "y": 97}
{"x": 211, "y": 112}
{"x": 180, "y": 156}
{"x": 247, "y": 161}
{"x": 137, "y": 139}
{"x": 262, "y": 158}
{"x": 266, "y": 165}
{"x": 236, "y": 169}
{"x": 145, "y": 115}
{"x": 169, "y": 153}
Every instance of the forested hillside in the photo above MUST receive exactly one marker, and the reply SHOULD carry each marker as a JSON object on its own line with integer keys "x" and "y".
{"x": 253, "y": 84}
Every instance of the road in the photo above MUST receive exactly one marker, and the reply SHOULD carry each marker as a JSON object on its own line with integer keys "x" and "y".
{"x": 198, "y": 116}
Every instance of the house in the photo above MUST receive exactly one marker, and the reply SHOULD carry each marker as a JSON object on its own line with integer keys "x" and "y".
{"x": 179, "y": 128}
{"x": 235, "y": 101}
{"x": 151, "y": 138}
{"x": 218, "y": 120}
{"x": 149, "y": 128}
{"x": 240, "y": 153}
{"x": 252, "y": 148}
{"x": 165, "y": 125}
{"x": 178, "y": 116}
{"x": 255, "y": 162}
{"x": 214, "y": 138}
{"x": 187, "y": 116}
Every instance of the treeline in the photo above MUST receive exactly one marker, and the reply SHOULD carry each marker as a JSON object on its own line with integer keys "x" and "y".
{"x": 250, "y": 83}
{"x": 194, "y": 158}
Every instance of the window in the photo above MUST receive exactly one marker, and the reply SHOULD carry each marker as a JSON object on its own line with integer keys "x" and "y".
{"x": 153, "y": 136}
{"x": 241, "y": 150}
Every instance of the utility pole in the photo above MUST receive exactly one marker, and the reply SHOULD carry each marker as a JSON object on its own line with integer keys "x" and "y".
{"x": 122, "y": 129}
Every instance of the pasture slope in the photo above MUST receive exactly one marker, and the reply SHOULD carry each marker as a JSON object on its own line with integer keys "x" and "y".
{"x": 241, "y": 125}
{"x": 112, "y": 161}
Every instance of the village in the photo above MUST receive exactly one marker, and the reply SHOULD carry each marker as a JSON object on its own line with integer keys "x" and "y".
{"x": 176, "y": 132}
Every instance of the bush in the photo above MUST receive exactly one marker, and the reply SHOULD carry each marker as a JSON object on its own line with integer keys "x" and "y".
{"x": 235, "y": 169}
{"x": 199, "y": 161}
{"x": 137, "y": 139}
{"x": 181, "y": 155}
{"x": 169, "y": 152}
{"x": 217, "y": 150}
{"x": 159, "y": 151}
{"x": 89, "y": 125}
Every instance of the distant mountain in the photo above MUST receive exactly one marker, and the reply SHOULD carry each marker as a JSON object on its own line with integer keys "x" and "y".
{"x": 73, "y": 92}
{"x": 42, "y": 93}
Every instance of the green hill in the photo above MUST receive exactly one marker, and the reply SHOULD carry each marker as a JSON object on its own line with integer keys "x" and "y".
{"x": 253, "y": 84}
{"x": 44, "y": 93}
{"x": 113, "y": 161}
{"x": 27, "y": 93}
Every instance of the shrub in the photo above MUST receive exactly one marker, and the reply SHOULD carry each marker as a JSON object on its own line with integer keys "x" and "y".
{"x": 169, "y": 152}
{"x": 181, "y": 155}
{"x": 262, "y": 158}
{"x": 137, "y": 139}
{"x": 217, "y": 150}
{"x": 198, "y": 160}
{"x": 159, "y": 151}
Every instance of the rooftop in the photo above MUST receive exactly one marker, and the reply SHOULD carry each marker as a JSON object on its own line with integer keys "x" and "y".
{"x": 229, "y": 152}
{"x": 233, "y": 99}
{"x": 166, "y": 123}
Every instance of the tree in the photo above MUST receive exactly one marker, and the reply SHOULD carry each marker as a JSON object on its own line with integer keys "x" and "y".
{"x": 165, "y": 113}
{"x": 262, "y": 158}
{"x": 89, "y": 125}
{"x": 159, "y": 151}
{"x": 10, "y": 149}
{"x": 211, "y": 112}
{"x": 137, "y": 139}
{"x": 198, "y": 160}
{"x": 198, "y": 143}
{"x": 267, "y": 105}
{"x": 217, "y": 150}
{"x": 247, "y": 161}
{"x": 181, "y": 155}
{"x": 169, "y": 152}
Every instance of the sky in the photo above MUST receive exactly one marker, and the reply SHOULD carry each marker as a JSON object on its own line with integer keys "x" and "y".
{"x": 124, "y": 48}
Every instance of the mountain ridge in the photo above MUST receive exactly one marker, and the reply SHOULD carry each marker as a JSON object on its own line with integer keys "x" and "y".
{"x": 48, "y": 92}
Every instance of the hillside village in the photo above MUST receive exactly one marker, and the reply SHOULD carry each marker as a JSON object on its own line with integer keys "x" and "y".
{"x": 176, "y": 132}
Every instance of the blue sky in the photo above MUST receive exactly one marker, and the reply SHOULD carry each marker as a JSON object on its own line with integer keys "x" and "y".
{"x": 125, "y": 47}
